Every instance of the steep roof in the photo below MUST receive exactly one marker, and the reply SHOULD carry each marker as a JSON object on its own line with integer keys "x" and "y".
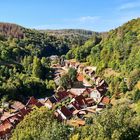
{"x": 61, "y": 95}
{"x": 32, "y": 101}
{"x": 17, "y": 105}
{"x": 24, "y": 111}
{"x": 5, "y": 115}
{"x": 80, "y": 100}
{"x": 52, "y": 99}
{"x": 66, "y": 111}
{"x": 105, "y": 100}
{"x": 80, "y": 77}
{"x": 5, "y": 127}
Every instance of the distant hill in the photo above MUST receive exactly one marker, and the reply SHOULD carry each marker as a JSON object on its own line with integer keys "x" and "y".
{"x": 14, "y": 30}
{"x": 45, "y": 42}
{"x": 69, "y": 32}
{"x": 74, "y": 36}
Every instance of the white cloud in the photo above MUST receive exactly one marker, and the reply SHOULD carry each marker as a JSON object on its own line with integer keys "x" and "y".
{"x": 130, "y": 5}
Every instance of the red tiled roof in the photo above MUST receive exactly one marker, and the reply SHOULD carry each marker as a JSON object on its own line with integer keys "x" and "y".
{"x": 24, "y": 111}
{"x": 5, "y": 127}
{"x": 17, "y": 105}
{"x": 39, "y": 104}
{"x": 66, "y": 111}
{"x": 61, "y": 95}
{"x": 105, "y": 100}
{"x": 89, "y": 101}
{"x": 32, "y": 101}
{"x": 80, "y": 77}
{"x": 80, "y": 99}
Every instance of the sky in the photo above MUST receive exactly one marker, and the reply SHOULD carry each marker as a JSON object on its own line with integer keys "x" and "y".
{"x": 96, "y": 15}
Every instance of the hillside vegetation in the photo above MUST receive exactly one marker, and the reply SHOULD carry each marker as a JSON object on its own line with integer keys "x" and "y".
{"x": 118, "y": 50}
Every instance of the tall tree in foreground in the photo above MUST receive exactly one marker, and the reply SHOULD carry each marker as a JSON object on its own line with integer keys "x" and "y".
{"x": 117, "y": 123}
{"x": 40, "y": 125}
{"x": 37, "y": 68}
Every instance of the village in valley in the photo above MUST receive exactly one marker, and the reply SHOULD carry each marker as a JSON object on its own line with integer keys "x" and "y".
{"x": 72, "y": 105}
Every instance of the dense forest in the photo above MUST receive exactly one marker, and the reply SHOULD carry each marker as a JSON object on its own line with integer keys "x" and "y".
{"x": 25, "y": 71}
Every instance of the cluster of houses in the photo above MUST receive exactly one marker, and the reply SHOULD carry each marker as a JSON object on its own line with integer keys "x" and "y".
{"x": 13, "y": 114}
{"x": 73, "y": 105}
{"x": 85, "y": 97}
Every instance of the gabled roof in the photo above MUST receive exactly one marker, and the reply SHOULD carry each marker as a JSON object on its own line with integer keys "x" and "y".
{"x": 80, "y": 100}
{"x": 5, "y": 127}
{"x": 32, "y": 101}
{"x": 80, "y": 77}
{"x": 39, "y": 104}
{"x": 66, "y": 111}
{"x": 52, "y": 99}
{"x": 24, "y": 111}
{"x": 61, "y": 95}
{"x": 77, "y": 91}
{"x": 105, "y": 100}
{"x": 17, "y": 105}
{"x": 5, "y": 115}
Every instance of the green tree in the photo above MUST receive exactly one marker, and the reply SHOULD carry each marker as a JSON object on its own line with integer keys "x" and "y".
{"x": 37, "y": 68}
{"x": 133, "y": 78}
{"x": 72, "y": 73}
{"x": 64, "y": 81}
{"x": 40, "y": 125}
